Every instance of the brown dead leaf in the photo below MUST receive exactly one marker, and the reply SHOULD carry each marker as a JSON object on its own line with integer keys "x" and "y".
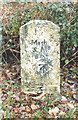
{"x": 3, "y": 113}
{"x": 40, "y": 97}
{"x": 26, "y": 97}
{"x": 70, "y": 105}
{"x": 2, "y": 77}
{"x": 64, "y": 99}
{"x": 51, "y": 115}
{"x": 62, "y": 113}
{"x": 33, "y": 107}
{"x": 30, "y": 115}
{"x": 70, "y": 82}
{"x": 16, "y": 110}
{"x": 0, "y": 90}
{"x": 75, "y": 96}
{"x": 17, "y": 98}
{"x": 54, "y": 111}
{"x": 39, "y": 116}
{"x": 64, "y": 102}
{"x": 71, "y": 92}
{"x": 10, "y": 85}
{"x": 28, "y": 109}
{"x": 7, "y": 71}
{"x": 75, "y": 77}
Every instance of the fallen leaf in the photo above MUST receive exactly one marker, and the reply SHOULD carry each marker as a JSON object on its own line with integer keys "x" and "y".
{"x": 72, "y": 86}
{"x": 10, "y": 85}
{"x": 74, "y": 116}
{"x": 75, "y": 77}
{"x": 10, "y": 116}
{"x": 32, "y": 4}
{"x": 65, "y": 73}
{"x": 70, "y": 82}
{"x": 33, "y": 107}
{"x": 70, "y": 105}
{"x": 75, "y": 105}
{"x": 21, "y": 104}
{"x": 54, "y": 111}
{"x": 22, "y": 108}
{"x": 64, "y": 99}
{"x": 2, "y": 77}
{"x": 0, "y": 90}
{"x": 66, "y": 85}
{"x": 26, "y": 97}
{"x": 16, "y": 110}
{"x": 30, "y": 115}
{"x": 66, "y": 109}
{"x": 17, "y": 98}
{"x": 9, "y": 74}
{"x": 62, "y": 113}
{"x": 3, "y": 98}
{"x": 75, "y": 96}
{"x": 43, "y": 112}
{"x": 28, "y": 109}
{"x": 41, "y": 97}
{"x": 3, "y": 113}
{"x": 14, "y": 95}
{"x": 7, "y": 71}
{"x": 39, "y": 116}
{"x": 11, "y": 111}
{"x": 71, "y": 92}
{"x": 51, "y": 115}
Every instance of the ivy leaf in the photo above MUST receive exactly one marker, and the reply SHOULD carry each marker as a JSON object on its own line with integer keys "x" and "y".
{"x": 66, "y": 61}
{"x": 75, "y": 44}
{"x": 71, "y": 68}
{"x": 63, "y": 58}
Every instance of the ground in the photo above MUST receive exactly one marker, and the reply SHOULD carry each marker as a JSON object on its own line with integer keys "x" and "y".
{"x": 16, "y": 104}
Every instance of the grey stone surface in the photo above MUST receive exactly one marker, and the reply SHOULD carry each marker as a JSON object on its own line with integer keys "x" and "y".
{"x": 40, "y": 57}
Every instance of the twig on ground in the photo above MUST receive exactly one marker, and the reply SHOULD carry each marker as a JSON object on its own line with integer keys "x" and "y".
{"x": 64, "y": 53}
{"x": 5, "y": 50}
{"x": 10, "y": 48}
{"x": 13, "y": 54}
{"x": 15, "y": 50}
{"x": 70, "y": 61}
{"x": 75, "y": 53}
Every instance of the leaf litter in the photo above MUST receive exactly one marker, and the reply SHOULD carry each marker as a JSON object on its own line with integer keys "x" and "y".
{"x": 41, "y": 106}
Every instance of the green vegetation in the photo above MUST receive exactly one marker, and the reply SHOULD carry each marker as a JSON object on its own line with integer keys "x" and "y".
{"x": 64, "y": 15}
{"x": 14, "y": 103}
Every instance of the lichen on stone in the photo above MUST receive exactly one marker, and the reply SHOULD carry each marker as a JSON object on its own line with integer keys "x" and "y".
{"x": 40, "y": 56}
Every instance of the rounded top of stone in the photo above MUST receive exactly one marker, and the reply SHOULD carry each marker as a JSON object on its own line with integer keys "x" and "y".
{"x": 39, "y": 22}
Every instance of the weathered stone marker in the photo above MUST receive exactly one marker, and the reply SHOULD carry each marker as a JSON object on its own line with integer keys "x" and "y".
{"x": 40, "y": 57}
